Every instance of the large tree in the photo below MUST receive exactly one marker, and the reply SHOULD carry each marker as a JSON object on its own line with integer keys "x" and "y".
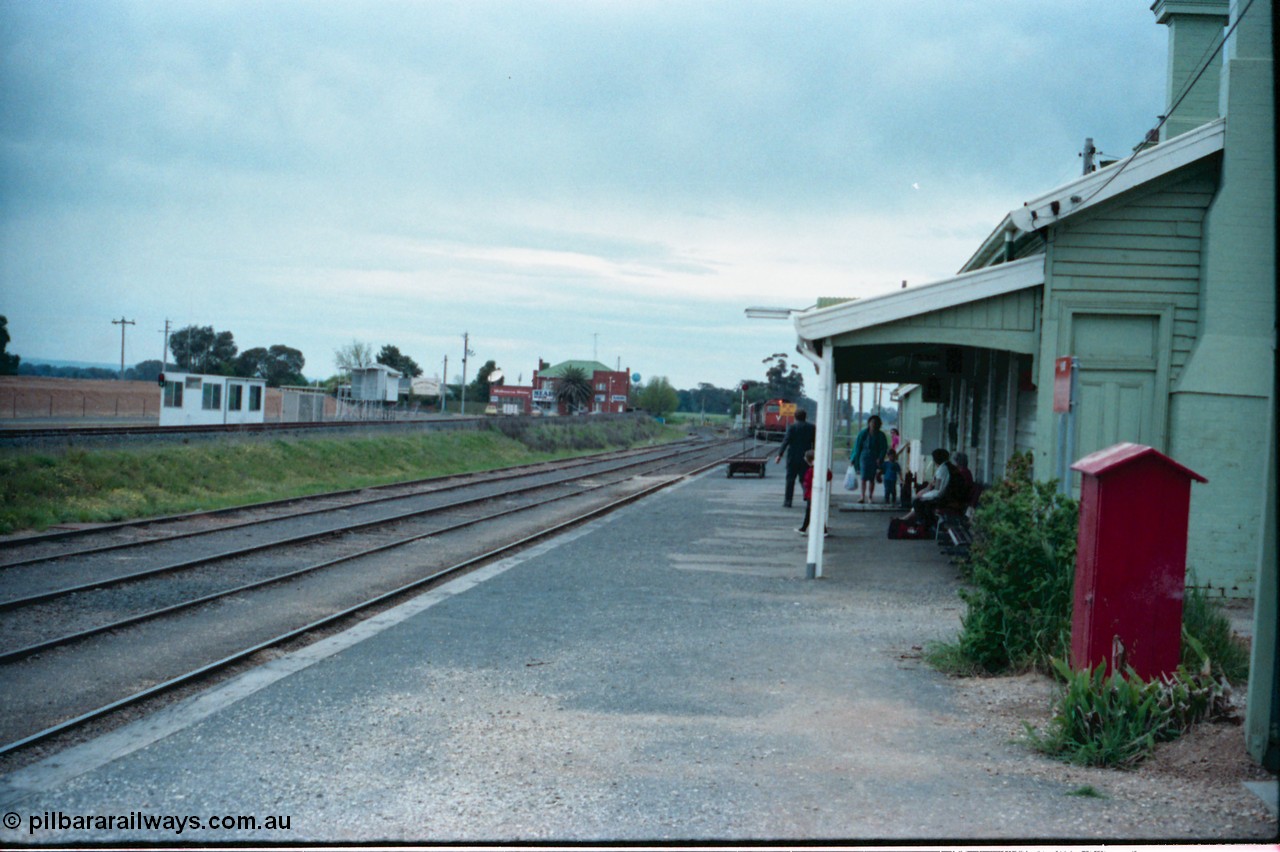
{"x": 353, "y": 356}
{"x": 8, "y": 363}
{"x": 279, "y": 365}
{"x": 658, "y": 397}
{"x": 392, "y": 357}
{"x": 199, "y": 349}
{"x": 479, "y": 388}
{"x": 573, "y": 388}
{"x": 784, "y": 380}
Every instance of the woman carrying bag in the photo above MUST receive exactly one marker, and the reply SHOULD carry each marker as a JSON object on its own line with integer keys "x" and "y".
{"x": 869, "y": 450}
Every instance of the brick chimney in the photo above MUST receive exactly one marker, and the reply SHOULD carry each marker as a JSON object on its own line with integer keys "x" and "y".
{"x": 1195, "y": 27}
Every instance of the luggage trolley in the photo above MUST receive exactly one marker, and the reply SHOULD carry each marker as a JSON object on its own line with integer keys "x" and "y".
{"x": 748, "y": 463}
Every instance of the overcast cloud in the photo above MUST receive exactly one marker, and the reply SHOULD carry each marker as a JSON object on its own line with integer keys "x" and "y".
{"x": 535, "y": 173}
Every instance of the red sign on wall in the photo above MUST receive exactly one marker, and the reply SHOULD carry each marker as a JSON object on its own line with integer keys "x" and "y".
{"x": 1062, "y": 384}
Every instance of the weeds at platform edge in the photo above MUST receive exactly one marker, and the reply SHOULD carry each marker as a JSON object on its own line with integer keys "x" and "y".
{"x": 1116, "y": 720}
{"x": 1088, "y": 791}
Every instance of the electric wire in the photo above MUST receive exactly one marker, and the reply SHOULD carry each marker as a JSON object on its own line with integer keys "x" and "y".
{"x": 1186, "y": 90}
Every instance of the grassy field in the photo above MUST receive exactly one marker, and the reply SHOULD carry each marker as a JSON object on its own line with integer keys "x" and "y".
{"x": 40, "y": 490}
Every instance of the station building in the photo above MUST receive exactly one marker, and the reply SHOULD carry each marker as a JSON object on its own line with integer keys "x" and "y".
{"x": 1156, "y": 274}
{"x": 191, "y": 399}
{"x": 611, "y": 390}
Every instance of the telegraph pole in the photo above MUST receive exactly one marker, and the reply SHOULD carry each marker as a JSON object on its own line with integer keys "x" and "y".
{"x": 1088, "y": 153}
{"x": 444, "y": 385}
{"x": 466, "y": 351}
{"x": 122, "y": 322}
{"x": 164, "y": 356}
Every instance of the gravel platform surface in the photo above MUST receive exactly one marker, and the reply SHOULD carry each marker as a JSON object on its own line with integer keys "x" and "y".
{"x": 665, "y": 674}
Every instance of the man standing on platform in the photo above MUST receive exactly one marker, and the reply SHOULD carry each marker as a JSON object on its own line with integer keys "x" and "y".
{"x": 798, "y": 440}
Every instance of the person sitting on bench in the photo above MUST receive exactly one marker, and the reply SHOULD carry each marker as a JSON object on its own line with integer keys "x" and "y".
{"x": 944, "y": 492}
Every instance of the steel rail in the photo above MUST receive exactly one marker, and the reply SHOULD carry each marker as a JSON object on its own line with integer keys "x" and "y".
{"x": 107, "y": 582}
{"x": 238, "y": 656}
{"x": 49, "y": 644}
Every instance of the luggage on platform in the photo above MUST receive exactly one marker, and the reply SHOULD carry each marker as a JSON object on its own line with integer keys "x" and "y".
{"x": 900, "y": 529}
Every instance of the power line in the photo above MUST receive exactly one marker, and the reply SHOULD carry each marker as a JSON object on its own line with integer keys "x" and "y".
{"x": 1186, "y": 90}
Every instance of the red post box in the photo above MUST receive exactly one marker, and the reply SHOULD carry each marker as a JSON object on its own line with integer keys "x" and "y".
{"x": 1131, "y": 560}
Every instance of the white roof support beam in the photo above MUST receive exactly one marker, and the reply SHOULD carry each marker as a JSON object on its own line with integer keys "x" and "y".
{"x": 819, "y": 508}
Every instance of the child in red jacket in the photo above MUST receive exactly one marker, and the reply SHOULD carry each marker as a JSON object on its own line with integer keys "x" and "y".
{"x": 806, "y": 481}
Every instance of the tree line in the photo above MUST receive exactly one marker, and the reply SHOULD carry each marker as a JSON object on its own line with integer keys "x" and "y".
{"x": 782, "y": 380}
{"x": 201, "y": 349}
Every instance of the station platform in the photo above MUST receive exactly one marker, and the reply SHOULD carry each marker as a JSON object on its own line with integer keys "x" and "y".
{"x": 663, "y": 674}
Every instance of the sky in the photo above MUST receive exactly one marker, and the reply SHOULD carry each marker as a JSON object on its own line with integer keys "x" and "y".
{"x": 561, "y": 180}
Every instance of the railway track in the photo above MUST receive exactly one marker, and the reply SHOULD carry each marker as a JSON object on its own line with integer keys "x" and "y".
{"x": 115, "y": 622}
{"x": 64, "y": 544}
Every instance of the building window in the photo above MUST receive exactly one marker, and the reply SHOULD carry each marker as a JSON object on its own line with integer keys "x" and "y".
{"x": 235, "y": 397}
{"x": 211, "y": 399}
{"x": 255, "y": 398}
{"x": 173, "y": 394}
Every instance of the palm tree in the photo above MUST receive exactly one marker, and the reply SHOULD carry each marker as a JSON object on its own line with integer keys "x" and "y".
{"x": 573, "y": 389}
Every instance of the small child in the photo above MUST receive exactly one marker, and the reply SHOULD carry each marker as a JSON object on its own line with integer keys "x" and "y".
{"x": 806, "y": 481}
{"x": 892, "y": 470}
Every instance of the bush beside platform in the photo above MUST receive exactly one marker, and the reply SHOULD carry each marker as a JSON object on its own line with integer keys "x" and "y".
{"x": 1018, "y": 600}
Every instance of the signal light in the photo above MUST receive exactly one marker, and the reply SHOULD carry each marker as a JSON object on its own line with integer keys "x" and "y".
{"x": 160, "y": 380}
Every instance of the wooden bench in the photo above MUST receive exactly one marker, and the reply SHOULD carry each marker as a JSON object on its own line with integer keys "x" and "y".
{"x": 953, "y": 533}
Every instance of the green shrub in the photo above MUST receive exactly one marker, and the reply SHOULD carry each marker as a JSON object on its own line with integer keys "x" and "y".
{"x": 1208, "y": 634}
{"x": 1116, "y": 721}
{"x": 947, "y": 657}
{"x": 1021, "y": 567}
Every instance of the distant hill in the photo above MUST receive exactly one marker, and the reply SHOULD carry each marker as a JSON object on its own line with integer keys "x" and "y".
{"x": 57, "y": 368}
{"x": 54, "y": 362}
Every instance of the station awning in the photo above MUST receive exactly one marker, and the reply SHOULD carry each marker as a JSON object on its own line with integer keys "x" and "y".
{"x": 900, "y": 336}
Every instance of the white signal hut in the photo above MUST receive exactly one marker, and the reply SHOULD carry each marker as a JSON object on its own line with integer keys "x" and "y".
{"x": 376, "y": 383}
{"x": 190, "y": 399}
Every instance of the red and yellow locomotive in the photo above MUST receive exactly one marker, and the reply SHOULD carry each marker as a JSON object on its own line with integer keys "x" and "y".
{"x": 768, "y": 420}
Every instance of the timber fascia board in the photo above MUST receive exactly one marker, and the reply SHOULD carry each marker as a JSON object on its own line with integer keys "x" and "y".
{"x": 820, "y": 323}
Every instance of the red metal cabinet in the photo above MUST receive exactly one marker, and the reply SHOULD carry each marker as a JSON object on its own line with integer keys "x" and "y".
{"x": 1131, "y": 560}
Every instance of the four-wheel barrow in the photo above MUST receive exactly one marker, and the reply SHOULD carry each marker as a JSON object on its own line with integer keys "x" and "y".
{"x": 748, "y": 462}
{"x": 747, "y": 465}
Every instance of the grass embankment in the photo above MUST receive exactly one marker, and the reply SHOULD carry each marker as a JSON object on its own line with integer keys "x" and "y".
{"x": 40, "y": 490}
